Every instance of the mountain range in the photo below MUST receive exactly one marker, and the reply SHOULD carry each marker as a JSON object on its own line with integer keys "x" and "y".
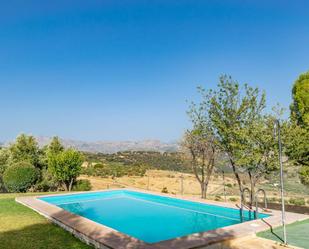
{"x": 114, "y": 146}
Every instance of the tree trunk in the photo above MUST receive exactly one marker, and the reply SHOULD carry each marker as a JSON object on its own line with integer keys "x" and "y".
{"x": 65, "y": 186}
{"x": 252, "y": 190}
{"x": 204, "y": 186}
{"x": 71, "y": 184}
{"x": 237, "y": 177}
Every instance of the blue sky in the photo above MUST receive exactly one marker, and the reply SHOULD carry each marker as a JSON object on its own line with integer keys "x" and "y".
{"x": 123, "y": 70}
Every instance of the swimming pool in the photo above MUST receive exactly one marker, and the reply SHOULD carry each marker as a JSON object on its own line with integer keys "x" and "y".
{"x": 148, "y": 217}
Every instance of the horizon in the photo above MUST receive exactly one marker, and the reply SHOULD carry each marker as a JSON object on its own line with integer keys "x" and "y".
{"x": 109, "y": 71}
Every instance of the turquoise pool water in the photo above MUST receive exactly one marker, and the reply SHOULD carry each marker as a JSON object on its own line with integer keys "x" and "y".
{"x": 148, "y": 217}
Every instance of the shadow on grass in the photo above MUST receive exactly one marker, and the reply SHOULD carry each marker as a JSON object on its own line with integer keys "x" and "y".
{"x": 40, "y": 236}
{"x": 52, "y": 236}
{"x": 272, "y": 231}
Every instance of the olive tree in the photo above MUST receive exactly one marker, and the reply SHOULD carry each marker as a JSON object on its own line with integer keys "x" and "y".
{"x": 200, "y": 142}
{"x": 260, "y": 152}
{"x": 233, "y": 110}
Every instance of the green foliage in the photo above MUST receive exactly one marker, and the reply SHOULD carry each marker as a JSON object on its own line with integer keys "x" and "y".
{"x": 297, "y": 201}
{"x": 300, "y": 105}
{"x": 297, "y": 145}
{"x": 4, "y": 158}
{"x": 114, "y": 169}
{"x": 200, "y": 142}
{"x": 65, "y": 166}
{"x": 46, "y": 183}
{"x": 55, "y": 146}
{"x": 19, "y": 177}
{"x": 234, "y": 112}
{"x": 149, "y": 159}
{"x": 25, "y": 149}
{"x": 233, "y": 199}
{"x": 304, "y": 174}
{"x": 82, "y": 185}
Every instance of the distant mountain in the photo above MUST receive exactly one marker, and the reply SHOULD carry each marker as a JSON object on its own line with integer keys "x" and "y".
{"x": 114, "y": 146}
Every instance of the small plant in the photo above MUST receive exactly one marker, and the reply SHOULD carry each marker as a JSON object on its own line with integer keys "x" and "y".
{"x": 20, "y": 177}
{"x": 229, "y": 185}
{"x": 233, "y": 199}
{"x": 82, "y": 185}
{"x": 297, "y": 201}
{"x": 165, "y": 190}
{"x": 218, "y": 198}
{"x": 273, "y": 199}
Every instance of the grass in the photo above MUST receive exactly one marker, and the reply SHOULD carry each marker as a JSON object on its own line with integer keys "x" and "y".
{"x": 20, "y": 227}
{"x": 297, "y": 234}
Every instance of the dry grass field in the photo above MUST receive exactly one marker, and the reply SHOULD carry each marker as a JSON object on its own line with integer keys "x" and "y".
{"x": 156, "y": 180}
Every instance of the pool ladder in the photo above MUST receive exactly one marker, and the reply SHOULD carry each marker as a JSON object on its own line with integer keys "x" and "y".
{"x": 255, "y": 198}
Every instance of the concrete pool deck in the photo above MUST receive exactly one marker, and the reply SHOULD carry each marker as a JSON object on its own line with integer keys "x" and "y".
{"x": 105, "y": 237}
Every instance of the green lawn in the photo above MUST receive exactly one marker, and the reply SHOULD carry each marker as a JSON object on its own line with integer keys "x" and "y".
{"x": 20, "y": 227}
{"x": 297, "y": 234}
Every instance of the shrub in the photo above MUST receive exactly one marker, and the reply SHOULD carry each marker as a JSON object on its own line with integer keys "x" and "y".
{"x": 273, "y": 199}
{"x": 165, "y": 190}
{"x": 20, "y": 177}
{"x": 2, "y": 187}
{"x": 46, "y": 183}
{"x": 297, "y": 201}
{"x": 229, "y": 185}
{"x": 82, "y": 185}
{"x": 218, "y": 198}
{"x": 233, "y": 199}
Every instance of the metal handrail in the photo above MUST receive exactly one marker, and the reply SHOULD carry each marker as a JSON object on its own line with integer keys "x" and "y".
{"x": 256, "y": 214}
{"x": 242, "y": 204}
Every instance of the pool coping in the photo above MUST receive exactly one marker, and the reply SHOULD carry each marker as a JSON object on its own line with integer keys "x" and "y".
{"x": 102, "y": 236}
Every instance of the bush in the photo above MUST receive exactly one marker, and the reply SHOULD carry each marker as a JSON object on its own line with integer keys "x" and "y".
{"x": 274, "y": 199}
{"x": 20, "y": 177}
{"x": 2, "y": 187}
{"x": 165, "y": 190}
{"x": 218, "y": 198}
{"x": 229, "y": 185}
{"x": 297, "y": 201}
{"x": 233, "y": 199}
{"x": 46, "y": 183}
{"x": 82, "y": 185}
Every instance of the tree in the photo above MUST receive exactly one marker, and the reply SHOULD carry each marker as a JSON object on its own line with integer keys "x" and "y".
{"x": 201, "y": 142}
{"x": 202, "y": 151}
{"x": 300, "y": 105}
{"x": 55, "y": 146}
{"x": 233, "y": 109}
{"x": 297, "y": 145}
{"x": 65, "y": 166}
{"x": 260, "y": 155}
{"x": 4, "y": 158}
{"x": 26, "y": 149}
